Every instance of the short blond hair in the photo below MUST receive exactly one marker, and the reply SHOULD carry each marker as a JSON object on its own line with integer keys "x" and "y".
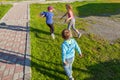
{"x": 66, "y": 34}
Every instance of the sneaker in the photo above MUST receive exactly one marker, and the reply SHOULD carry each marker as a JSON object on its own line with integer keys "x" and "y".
{"x": 53, "y": 36}
{"x": 71, "y": 78}
{"x": 79, "y": 35}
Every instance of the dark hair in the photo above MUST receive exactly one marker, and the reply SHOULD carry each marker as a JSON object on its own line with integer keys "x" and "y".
{"x": 66, "y": 34}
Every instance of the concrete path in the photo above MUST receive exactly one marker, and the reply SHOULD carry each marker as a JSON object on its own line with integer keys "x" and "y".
{"x": 41, "y": 1}
{"x": 14, "y": 44}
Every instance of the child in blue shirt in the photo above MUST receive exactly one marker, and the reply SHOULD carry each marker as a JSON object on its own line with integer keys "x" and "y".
{"x": 68, "y": 52}
{"x": 49, "y": 19}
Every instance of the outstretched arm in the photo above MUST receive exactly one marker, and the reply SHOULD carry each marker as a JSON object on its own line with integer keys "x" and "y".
{"x": 64, "y": 15}
{"x": 42, "y": 14}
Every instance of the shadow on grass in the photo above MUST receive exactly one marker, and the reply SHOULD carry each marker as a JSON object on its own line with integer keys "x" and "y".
{"x": 99, "y": 9}
{"x": 109, "y": 70}
{"x": 37, "y": 32}
{"x": 48, "y": 70}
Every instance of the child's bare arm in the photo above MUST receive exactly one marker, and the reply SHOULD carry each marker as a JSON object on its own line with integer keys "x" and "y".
{"x": 68, "y": 19}
{"x": 64, "y": 15}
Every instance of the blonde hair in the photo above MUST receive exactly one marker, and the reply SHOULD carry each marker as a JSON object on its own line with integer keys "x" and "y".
{"x": 66, "y": 34}
{"x": 68, "y": 6}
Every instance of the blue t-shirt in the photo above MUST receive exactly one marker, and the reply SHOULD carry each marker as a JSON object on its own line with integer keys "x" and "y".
{"x": 49, "y": 17}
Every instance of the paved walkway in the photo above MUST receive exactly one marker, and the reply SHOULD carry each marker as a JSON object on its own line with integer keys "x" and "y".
{"x": 14, "y": 40}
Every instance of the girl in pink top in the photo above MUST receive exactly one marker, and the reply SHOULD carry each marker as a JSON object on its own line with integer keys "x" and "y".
{"x": 70, "y": 19}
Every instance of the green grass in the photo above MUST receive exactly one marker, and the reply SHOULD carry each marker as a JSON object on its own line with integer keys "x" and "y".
{"x": 13, "y": 0}
{"x": 4, "y": 9}
{"x": 101, "y": 59}
{"x": 99, "y": 9}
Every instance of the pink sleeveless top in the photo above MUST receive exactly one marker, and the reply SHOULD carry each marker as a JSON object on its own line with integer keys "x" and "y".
{"x": 70, "y": 14}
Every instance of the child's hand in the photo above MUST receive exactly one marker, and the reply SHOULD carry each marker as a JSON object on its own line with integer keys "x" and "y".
{"x": 42, "y": 14}
{"x": 81, "y": 55}
{"x": 65, "y": 63}
{"x": 66, "y": 20}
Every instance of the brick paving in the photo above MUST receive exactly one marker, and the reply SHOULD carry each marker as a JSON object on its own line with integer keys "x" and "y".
{"x": 14, "y": 41}
{"x": 14, "y": 44}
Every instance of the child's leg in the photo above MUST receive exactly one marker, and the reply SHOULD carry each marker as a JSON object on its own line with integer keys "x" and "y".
{"x": 68, "y": 67}
{"x": 73, "y": 27}
{"x": 51, "y": 28}
{"x": 69, "y": 25}
{"x": 79, "y": 34}
{"x": 67, "y": 70}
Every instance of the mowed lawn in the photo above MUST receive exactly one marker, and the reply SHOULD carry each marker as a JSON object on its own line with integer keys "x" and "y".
{"x": 101, "y": 60}
{"x": 11, "y": 0}
{"x": 4, "y": 9}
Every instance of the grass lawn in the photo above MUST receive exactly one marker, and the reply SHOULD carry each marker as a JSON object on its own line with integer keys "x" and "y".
{"x": 101, "y": 59}
{"x": 4, "y": 9}
{"x": 13, "y": 0}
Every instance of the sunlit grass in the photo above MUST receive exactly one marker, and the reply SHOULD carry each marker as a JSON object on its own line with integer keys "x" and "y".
{"x": 101, "y": 59}
{"x": 4, "y": 9}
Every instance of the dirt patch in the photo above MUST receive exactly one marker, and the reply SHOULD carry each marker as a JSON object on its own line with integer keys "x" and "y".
{"x": 106, "y": 27}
